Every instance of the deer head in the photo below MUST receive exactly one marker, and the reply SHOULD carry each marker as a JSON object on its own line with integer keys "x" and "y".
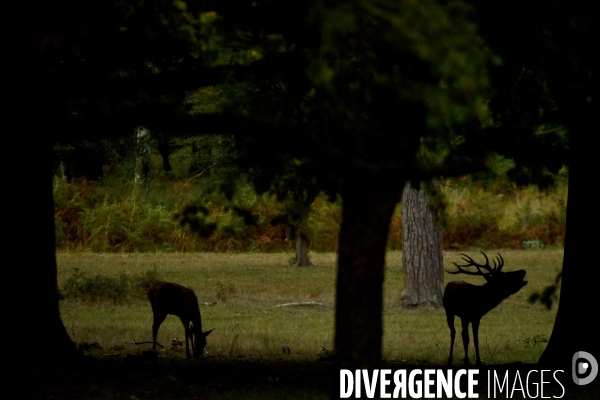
{"x": 501, "y": 283}
{"x": 471, "y": 302}
{"x": 199, "y": 339}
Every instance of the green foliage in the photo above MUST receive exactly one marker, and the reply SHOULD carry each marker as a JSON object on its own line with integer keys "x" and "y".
{"x": 533, "y": 244}
{"x": 323, "y": 95}
{"x": 495, "y": 213}
{"x": 96, "y": 288}
{"x": 99, "y": 287}
{"x": 390, "y": 78}
{"x": 129, "y": 226}
{"x": 142, "y": 282}
{"x": 474, "y": 220}
{"x": 486, "y": 212}
{"x": 323, "y": 224}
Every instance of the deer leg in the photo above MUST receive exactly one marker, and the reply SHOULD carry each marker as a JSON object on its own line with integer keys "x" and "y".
{"x": 186, "y": 327}
{"x": 476, "y": 341}
{"x": 193, "y": 340}
{"x": 450, "y": 319}
{"x": 465, "y": 338}
{"x": 158, "y": 319}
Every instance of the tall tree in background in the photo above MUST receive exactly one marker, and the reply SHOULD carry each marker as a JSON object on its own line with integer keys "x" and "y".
{"x": 299, "y": 191}
{"x": 422, "y": 256}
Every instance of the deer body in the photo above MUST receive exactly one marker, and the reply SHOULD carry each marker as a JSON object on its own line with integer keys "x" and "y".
{"x": 170, "y": 298}
{"x": 471, "y": 302}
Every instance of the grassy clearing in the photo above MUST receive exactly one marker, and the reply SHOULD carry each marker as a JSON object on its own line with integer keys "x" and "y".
{"x": 247, "y": 288}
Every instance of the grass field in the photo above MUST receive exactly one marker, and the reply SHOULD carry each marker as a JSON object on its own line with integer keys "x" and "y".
{"x": 247, "y": 288}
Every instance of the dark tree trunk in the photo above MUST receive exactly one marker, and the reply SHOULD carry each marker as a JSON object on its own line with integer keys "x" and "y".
{"x": 368, "y": 204}
{"x": 575, "y": 327}
{"x": 31, "y": 295}
{"x": 165, "y": 150}
{"x": 422, "y": 257}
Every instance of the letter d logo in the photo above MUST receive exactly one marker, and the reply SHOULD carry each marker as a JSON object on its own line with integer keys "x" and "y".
{"x": 590, "y": 364}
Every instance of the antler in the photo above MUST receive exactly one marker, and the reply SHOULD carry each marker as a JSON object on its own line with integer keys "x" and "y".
{"x": 500, "y": 263}
{"x": 471, "y": 263}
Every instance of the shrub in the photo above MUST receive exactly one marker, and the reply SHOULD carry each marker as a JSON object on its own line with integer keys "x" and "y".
{"x": 141, "y": 283}
{"x": 99, "y": 288}
{"x": 96, "y": 288}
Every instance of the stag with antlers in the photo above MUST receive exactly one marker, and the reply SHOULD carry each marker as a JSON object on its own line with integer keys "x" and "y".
{"x": 171, "y": 298}
{"x": 471, "y": 302}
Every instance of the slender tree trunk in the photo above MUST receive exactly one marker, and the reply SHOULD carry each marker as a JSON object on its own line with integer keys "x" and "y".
{"x": 368, "y": 205}
{"x": 575, "y": 328}
{"x": 303, "y": 208}
{"x": 142, "y": 166}
{"x": 302, "y": 259}
{"x": 422, "y": 257}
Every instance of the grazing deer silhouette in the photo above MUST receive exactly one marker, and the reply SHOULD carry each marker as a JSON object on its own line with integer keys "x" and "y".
{"x": 472, "y": 302}
{"x": 171, "y": 298}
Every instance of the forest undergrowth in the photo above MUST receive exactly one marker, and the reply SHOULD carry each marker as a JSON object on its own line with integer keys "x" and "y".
{"x": 110, "y": 216}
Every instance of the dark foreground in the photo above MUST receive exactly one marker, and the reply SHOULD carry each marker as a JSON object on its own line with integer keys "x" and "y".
{"x": 141, "y": 378}
{"x": 168, "y": 378}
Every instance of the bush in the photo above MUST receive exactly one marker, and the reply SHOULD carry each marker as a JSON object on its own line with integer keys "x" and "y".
{"x": 104, "y": 288}
{"x": 473, "y": 221}
{"x": 94, "y": 289}
{"x": 141, "y": 283}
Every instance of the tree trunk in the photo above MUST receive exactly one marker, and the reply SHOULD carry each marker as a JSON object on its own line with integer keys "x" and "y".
{"x": 164, "y": 149}
{"x": 575, "y": 326}
{"x": 422, "y": 257}
{"x": 304, "y": 197}
{"x": 301, "y": 259}
{"x": 31, "y": 288}
{"x": 368, "y": 205}
{"x": 142, "y": 165}
{"x": 30, "y": 292}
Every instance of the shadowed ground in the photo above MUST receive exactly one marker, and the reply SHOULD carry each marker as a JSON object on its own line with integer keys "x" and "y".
{"x": 139, "y": 377}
